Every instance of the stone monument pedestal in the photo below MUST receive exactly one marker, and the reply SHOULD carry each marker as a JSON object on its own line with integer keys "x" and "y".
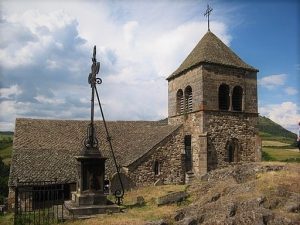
{"x": 87, "y": 204}
{"x": 89, "y": 198}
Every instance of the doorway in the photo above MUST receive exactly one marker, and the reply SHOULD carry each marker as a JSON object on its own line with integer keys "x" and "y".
{"x": 233, "y": 149}
{"x": 188, "y": 152}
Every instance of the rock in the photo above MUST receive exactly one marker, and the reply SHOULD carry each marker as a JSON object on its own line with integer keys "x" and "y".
{"x": 261, "y": 200}
{"x": 171, "y": 198}
{"x": 179, "y": 216}
{"x": 158, "y": 222}
{"x": 293, "y": 207}
{"x": 215, "y": 197}
{"x": 159, "y": 182}
{"x": 140, "y": 201}
{"x": 232, "y": 210}
{"x": 188, "y": 221}
{"x": 204, "y": 177}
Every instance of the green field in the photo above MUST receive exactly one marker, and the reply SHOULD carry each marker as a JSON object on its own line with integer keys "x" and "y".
{"x": 6, "y": 141}
{"x": 275, "y": 150}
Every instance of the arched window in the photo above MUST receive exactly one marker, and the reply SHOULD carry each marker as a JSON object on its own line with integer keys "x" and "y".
{"x": 237, "y": 98}
{"x": 188, "y": 95}
{"x": 156, "y": 167}
{"x": 179, "y": 102}
{"x": 224, "y": 97}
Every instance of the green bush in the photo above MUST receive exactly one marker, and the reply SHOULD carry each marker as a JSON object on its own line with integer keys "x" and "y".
{"x": 4, "y": 173}
{"x": 266, "y": 156}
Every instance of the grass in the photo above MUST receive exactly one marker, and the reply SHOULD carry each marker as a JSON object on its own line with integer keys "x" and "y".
{"x": 135, "y": 215}
{"x": 132, "y": 214}
{"x": 288, "y": 179}
{"x": 272, "y": 143}
{"x": 6, "y": 147}
{"x": 283, "y": 155}
{"x": 5, "y": 154}
{"x": 270, "y": 137}
{"x": 7, "y": 219}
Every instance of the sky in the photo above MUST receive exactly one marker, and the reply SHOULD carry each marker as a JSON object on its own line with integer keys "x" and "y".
{"x": 46, "y": 49}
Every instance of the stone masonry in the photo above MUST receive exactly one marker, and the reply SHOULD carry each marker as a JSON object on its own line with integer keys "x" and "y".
{"x": 170, "y": 157}
{"x": 216, "y": 132}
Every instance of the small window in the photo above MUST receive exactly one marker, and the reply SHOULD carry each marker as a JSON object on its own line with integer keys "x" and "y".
{"x": 156, "y": 167}
{"x": 179, "y": 102}
{"x": 224, "y": 97}
{"x": 188, "y": 93}
{"x": 237, "y": 98}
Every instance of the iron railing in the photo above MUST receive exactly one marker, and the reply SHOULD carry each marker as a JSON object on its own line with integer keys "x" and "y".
{"x": 39, "y": 203}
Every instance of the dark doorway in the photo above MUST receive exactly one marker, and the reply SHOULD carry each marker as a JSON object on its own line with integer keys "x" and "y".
{"x": 188, "y": 152}
{"x": 230, "y": 153}
{"x": 233, "y": 149}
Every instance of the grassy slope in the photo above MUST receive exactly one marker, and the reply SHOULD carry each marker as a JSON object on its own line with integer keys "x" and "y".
{"x": 270, "y": 130}
{"x": 134, "y": 215}
{"x": 278, "y": 144}
{"x": 272, "y": 186}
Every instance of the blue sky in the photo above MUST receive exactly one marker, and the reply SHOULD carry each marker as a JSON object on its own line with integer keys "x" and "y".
{"x": 45, "y": 51}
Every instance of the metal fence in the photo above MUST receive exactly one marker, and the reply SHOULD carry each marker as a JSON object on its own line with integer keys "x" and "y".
{"x": 39, "y": 203}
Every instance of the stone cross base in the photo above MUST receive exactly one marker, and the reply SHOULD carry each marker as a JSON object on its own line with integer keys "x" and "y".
{"x": 88, "y": 210}
{"x": 90, "y": 203}
{"x": 89, "y": 199}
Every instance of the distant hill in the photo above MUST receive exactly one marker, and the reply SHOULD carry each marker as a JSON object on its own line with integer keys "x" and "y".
{"x": 269, "y": 130}
{"x": 6, "y": 133}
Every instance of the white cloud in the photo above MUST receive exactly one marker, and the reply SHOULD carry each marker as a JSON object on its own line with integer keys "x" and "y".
{"x": 129, "y": 29}
{"x": 291, "y": 91}
{"x": 287, "y": 114}
{"x": 46, "y": 100}
{"x": 138, "y": 44}
{"x": 12, "y": 91}
{"x": 272, "y": 81}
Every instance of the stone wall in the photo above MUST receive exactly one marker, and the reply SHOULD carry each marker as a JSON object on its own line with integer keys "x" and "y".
{"x": 193, "y": 125}
{"x": 169, "y": 154}
{"x": 191, "y": 78}
{"x": 214, "y": 76}
{"x": 222, "y": 127}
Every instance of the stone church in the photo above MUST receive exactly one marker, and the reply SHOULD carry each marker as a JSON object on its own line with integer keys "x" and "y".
{"x": 212, "y": 117}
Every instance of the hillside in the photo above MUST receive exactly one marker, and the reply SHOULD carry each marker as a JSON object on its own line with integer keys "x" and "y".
{"x": 254, "y": 193}
{"x": 6, "y": 141}
{"x": 269, "y": 130}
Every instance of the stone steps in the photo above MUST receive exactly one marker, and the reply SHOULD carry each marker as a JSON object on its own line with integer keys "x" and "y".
{"x": 189, "y": 177}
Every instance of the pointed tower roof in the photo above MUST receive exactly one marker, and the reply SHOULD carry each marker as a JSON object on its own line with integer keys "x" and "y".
{"x": 210, "y": 49}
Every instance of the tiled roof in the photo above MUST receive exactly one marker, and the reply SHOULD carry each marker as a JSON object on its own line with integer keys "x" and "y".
{"x": 210, "y": 49}
{"x": 45, "y": 149}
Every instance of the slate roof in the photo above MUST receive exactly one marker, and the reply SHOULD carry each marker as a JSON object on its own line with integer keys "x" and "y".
{"x": 45, "y": 149}
{"x": 210, "y": 49}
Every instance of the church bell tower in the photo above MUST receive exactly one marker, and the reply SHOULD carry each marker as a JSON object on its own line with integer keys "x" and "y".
{"x": 213, "y": 93}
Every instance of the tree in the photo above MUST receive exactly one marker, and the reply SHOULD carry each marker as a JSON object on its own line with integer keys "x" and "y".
{"x": 4, "y": 173}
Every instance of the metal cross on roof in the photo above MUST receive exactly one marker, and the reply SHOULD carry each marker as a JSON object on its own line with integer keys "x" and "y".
{"x": 207, "y": 13}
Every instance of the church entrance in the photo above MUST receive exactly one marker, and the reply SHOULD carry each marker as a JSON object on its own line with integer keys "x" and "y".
{"x": 188, "y": 152}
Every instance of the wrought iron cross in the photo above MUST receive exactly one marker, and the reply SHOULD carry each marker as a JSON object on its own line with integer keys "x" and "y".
{"x": 91, "y": 140}
{"x": 207, "y": 13}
